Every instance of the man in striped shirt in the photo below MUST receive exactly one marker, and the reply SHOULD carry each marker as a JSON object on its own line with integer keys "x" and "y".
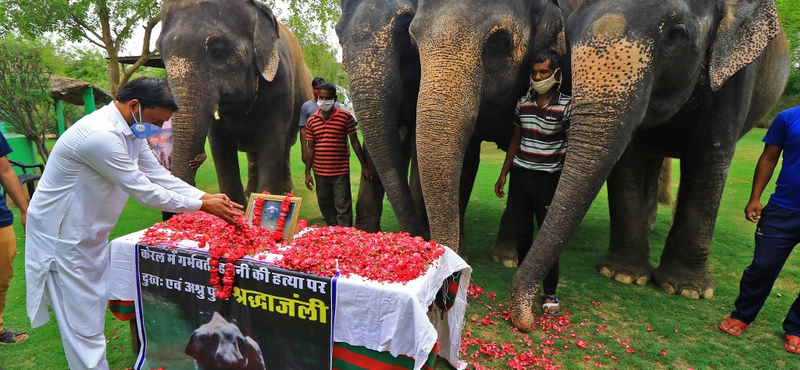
{"x": 535, "y": 157}
{"x": 327, "y": 131}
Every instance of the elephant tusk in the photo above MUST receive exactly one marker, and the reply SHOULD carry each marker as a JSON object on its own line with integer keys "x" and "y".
{"x": 216, "y": 114}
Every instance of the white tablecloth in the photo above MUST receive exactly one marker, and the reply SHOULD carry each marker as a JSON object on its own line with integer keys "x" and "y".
{"x": 382, "y": 317}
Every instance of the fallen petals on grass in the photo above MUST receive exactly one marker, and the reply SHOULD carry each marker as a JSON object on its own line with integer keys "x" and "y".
{"x": 554, "y": 340}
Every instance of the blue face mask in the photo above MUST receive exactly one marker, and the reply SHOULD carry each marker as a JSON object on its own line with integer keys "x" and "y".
{"x": 143, "y": 130}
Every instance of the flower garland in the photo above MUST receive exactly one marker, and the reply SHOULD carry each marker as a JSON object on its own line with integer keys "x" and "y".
{"x": 223, "y": 240}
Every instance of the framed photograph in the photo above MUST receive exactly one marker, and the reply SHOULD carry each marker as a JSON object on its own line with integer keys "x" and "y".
{"x": 271, "y": 211}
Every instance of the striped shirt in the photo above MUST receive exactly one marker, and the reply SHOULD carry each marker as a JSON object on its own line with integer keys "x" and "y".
{"x": 544, "y": 137}
{"x": 331, "y": 153}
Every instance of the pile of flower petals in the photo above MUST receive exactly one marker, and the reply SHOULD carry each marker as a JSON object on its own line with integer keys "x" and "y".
{"x": 382, "y": 257}
{"x": 209, "y": 230}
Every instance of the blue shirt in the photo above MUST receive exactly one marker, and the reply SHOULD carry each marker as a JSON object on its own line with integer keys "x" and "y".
{"x": 6, "y": 217}
{"x": 784, "y": 133}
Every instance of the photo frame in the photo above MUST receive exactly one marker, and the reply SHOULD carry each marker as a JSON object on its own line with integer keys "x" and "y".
{"x": 270, "y": 212}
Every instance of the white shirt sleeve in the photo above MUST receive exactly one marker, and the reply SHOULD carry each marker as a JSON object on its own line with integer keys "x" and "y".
{"x": 105, "y": 153}
{"x": 160, "y": 176}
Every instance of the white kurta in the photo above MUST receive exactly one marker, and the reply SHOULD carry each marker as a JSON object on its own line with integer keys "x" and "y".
{"x": 93, "y": 169}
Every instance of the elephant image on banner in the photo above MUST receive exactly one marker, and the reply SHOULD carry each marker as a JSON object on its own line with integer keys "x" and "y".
{"x": 240, "y": 80}
{"x": 447, "y": 74}
{"x": 654, "y": 79}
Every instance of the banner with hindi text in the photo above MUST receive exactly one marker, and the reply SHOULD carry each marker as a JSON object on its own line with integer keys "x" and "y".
{"x": 275, "y": 318}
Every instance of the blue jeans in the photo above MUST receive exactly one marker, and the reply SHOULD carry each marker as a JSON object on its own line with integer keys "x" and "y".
{"x": 335, "y": 200}
{"x": 777, "y": 234}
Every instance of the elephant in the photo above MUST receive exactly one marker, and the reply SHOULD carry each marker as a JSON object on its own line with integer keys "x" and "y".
{"x": 383, "y": 69}
{"x": 239, "y": 77}
{"x": 412, "y": 62}
{"x": 654, "y": 79}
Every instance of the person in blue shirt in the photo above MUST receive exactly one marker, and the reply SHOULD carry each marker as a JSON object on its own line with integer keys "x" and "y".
{"x": 8, "y": 241}
{"x": 778, "y": 229}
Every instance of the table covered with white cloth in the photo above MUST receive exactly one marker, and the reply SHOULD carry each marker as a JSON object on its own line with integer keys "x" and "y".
{"x": 384, "y": 317}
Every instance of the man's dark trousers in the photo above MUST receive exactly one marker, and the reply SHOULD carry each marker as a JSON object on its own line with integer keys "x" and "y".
{"x": 335, "y": 200}
{"x": 529, "y": 195}
{"x": 777, "y": 233}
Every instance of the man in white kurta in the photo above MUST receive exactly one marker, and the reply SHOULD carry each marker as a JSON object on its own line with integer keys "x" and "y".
{"x": 93, "y": 169}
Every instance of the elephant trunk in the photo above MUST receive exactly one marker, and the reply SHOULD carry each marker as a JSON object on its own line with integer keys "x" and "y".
{"x": 610, "y": 87}
{"x": 373, "y": 72}
{"x": 448, "y": 104}
{"x": 190, "y": 125}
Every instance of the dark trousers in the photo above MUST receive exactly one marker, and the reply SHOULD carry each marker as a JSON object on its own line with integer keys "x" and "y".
{"x": 335, "y": 200}
{"x": 778, "y": 232}
{"x": 529, "y": 195}
{"x": 165, "y": 216}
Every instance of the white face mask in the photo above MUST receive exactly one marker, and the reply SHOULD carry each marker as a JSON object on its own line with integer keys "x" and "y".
{"x": 325, "y": 105}
{"x": 545, "y": 85}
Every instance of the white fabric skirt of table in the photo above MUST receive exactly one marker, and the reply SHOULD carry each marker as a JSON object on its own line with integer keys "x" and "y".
{"x": 382, "y": 317}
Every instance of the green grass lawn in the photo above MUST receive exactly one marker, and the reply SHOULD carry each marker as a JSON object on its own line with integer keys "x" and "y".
{"x": 608, "y": 316}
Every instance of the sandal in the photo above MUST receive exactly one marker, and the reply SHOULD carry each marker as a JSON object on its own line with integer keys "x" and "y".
{"x": 10, "y": 337}
{"x": 547, "y": 306}
{"x": 793, "y": 340}
{"x": 733, "y": 324}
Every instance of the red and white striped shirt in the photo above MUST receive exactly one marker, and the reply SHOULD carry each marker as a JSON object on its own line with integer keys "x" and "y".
{"x": 331, "y": 153}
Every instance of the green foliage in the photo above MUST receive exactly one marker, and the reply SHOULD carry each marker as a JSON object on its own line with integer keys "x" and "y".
{"x": 311, "y": 21}
{"x": 87, "y": 65}
{"x": 789, "y": 13}
{"x": 107, "y": 24}
{"x": 25, "y": 102}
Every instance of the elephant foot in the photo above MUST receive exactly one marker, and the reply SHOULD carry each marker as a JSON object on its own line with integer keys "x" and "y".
{"x": 693, "y": 284}
{"x": 504, "y": 254}
{"x": 521, "y": 308}
{"x": 626, "y": 272}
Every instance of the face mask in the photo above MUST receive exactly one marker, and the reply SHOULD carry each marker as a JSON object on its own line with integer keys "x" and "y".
{"x": 325, "y": 105}
{"x": 545, "y": 85}
{"x": 143, "y": 130}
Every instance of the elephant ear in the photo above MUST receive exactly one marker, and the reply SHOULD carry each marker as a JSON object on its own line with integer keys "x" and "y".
{"x": 549, "y": 22}
{"x": 265, "y": 41}
{"x": 746, "y": 28}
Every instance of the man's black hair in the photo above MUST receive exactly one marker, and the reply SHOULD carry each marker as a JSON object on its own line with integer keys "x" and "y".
{"x": 151, "y": 92}
{"x": 541, "y": 56}
{"x": 317, "y": 81}
{"x": 329, "y": 87}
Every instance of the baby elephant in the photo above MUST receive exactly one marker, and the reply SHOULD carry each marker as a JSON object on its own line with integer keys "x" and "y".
{"x": 219, "y": 345}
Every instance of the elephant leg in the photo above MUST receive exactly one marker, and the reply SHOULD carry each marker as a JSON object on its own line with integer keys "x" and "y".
{"x": 288, "y": 186}
{"x": 273, "y": 157}
{"x": 504, "y": 250}
{"x": 628, "y": 256}
{"x": 419, "y": 200}
{"x": 684, "y": 269}
{"x": 252, "y": 173}
{"x": 226, "y": 162}
{"x": 651, "y": 188}
{"x": 369, "y": 205}
{"x": 472, "y": 158}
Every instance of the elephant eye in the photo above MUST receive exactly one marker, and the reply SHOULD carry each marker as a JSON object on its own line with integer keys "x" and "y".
{"x": 217, "y": 48}
{"x": 498, "y": 45}
{"x": 678, "y": 33}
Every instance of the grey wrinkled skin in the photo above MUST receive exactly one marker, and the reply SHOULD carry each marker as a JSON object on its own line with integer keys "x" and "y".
{"x": 239, "y": 77}
{"x": 383, "y": 68}
{"x": 655, "y": 79}
{"x": 474, "y": 59}
{"x": 450, "y": 72}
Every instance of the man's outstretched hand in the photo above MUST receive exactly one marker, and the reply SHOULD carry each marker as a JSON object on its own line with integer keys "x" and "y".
{"x": 221, "y": 206}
